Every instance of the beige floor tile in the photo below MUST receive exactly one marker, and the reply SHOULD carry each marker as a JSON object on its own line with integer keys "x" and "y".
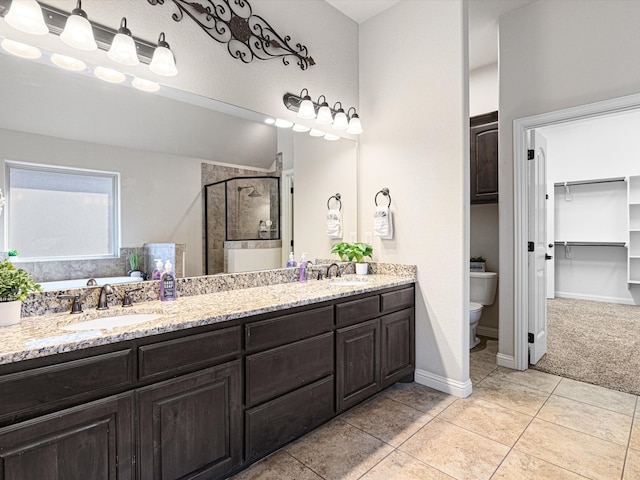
{"x": 634, "y": 441}
{"x": 480, "y": 369}
{"x": 598, "y": 396}
{"x": 510, "y": 395}
{"x": 278, "y": 466}
{"x": 456, "y": 451}
{"x": 632, "y": 466}
{"x": 339, "y": 451}
{"x": 572, "y": 450}
{"x": 529, "y": 378}
{"x": 386, "y": 419}
{"x": 599, "y": 422}
{"x": 400, "y": 466}
{"x": 418, "y": 396}
{"x": 521, "y": 466}
{"x": 487, "y": 419}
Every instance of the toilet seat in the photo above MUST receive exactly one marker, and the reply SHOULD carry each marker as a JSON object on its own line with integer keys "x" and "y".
{"x": 475, "y": 307}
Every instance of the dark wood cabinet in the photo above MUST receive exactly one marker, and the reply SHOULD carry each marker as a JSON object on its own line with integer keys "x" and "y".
{"x": 398, "y": 353}
{"x": 191, "y": 425}
{"x": 93, "y": 441}
{"x": 483, "y": 141}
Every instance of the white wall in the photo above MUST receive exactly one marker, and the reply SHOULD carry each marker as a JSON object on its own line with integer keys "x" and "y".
{"x": 483, "y": 90}
{"x": 554, "y": 55}
{"x": 413, "y": 91}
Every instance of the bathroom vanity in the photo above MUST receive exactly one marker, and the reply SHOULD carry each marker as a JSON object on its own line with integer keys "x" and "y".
{"x": 219, "y": 382}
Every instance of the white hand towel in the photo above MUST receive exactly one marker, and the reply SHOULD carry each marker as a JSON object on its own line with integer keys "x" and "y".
{"x": 383, "y": 223}
{"x": 334, "y": 224}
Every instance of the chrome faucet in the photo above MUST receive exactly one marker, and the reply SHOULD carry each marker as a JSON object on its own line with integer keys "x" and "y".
{"x": 102, "y": 301}
{"x": 329, "y": 270}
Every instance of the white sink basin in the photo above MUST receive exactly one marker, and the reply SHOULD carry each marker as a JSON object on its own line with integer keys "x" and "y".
{"x": 347, "y": 283}
{"x": 108, "y": 323}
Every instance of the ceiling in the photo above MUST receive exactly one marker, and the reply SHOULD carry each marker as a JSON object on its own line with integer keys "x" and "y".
{"x": 483, "y": 22}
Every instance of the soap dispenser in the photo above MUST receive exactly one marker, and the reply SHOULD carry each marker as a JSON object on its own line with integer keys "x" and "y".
{"x": 292, "y": 260}
{"x": 168, "y": 287}
{"x": 303, "y": 268}
{"x": 157, "y": 273}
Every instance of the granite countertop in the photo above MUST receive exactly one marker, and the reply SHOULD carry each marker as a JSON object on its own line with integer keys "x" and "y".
{"x": 41, "y": 335}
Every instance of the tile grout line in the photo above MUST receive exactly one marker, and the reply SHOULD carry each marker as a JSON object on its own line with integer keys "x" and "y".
{"x": 633, "y": 425}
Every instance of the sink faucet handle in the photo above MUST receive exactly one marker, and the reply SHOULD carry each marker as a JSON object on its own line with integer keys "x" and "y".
{"x": 126, "y": 298}
{"x": 76, "y": 306}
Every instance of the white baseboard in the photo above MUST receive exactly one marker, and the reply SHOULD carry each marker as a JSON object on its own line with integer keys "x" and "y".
{"x": 487, "y": 331}
{"x": 508, "y": 361}
{"x": 443, "y": 384}
{"x": 595, "y": 298}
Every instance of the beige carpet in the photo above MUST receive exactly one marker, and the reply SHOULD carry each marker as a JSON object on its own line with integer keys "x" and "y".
{"x": 594, "y": 342}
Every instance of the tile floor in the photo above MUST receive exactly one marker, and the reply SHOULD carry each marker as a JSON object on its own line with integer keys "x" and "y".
{"x": 515, "y": 426}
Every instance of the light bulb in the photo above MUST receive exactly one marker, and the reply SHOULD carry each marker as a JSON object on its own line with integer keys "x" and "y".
{"x": 355, "y": 127}
{"x": 306, "y": 109}
{"x": 163, "y": 62}
{"x": 26, "y": 16}
{"x": 123, "y": 48}
{"x": 78, "y": 32}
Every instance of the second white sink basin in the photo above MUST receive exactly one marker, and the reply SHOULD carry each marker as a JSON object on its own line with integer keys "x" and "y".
{"x": 108, "y": 323}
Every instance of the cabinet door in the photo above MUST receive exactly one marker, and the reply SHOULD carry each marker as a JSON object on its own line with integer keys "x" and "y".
{"x": 93, "y": 441}
{"x": 357, "y": 363}
{"x": 484, "y": 158}
{"x": 191, "y": 425}
{"x": 398, "y": 346}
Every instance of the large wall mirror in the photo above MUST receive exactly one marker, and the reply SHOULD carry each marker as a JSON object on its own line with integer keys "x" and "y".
{"x": 160, "y": 144}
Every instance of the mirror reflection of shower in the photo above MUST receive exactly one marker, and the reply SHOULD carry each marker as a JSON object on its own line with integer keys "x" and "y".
{"x": 254, "y": 193}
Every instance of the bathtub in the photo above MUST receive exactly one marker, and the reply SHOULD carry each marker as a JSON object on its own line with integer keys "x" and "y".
{"x": 82, "y": 282}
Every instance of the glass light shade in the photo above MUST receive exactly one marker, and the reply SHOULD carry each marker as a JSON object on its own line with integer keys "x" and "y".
{"x": 68, "y": 63}
{"x": 20, "y": 49}
{"x": 324, "y": 115}
{"x": 355, "y": 127}
{"x": 123, "y": 50}
{"x": 163, "y": 62}
{"x": 316, "y": 133}
{"x": 306, "y": 109}
{"x": 270, "y": 121}
{"x": 26, "y": 16}
{"x": 78, "y": 33}
{"x": 331, "y": 137}
{"x": 300, "y": 128}
{"x": 280, "y": 123}
{"x": 145, "y": 85}
{"x": 109, "y": 75}
{"x": 340, "y": 121}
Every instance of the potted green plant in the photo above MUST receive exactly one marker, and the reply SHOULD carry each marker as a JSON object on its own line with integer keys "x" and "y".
{"x": 354, "y": 251}
{"x": 477, "y": 264}
{"x": 15, "y": 285}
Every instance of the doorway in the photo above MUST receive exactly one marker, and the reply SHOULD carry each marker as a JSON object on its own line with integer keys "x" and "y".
{"x": 523, "y": 129}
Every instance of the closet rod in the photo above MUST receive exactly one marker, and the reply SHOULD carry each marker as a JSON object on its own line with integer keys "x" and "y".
{"x": 587, "y": 182}
{"x": 592, "y": 244}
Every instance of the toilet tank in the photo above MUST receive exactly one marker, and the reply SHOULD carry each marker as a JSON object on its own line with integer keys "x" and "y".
{"x": 483, "y": 287}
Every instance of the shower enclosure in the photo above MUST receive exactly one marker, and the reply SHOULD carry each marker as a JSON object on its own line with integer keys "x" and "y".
{"x": 242, "y": 224}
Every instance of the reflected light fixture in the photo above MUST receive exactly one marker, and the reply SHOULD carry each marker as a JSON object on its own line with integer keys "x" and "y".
{"x": 163, "y": 62}
{"x": 109, "y": 75}
{"x": 68, "y": 63}
{"x": 340, "y": 120}
{"x": 26, "y": 16}
{"x": 306, "y": 108}
{"x": 280, "y": 123}
{"x": 20, "y": 49}
{"x": 331, "y": 137}
{"x": 145, "y": 85}
{"x": 300, "y": 128}
{"x": 316, "y": 133}
{"x": 123, "y": 48}
{"x": 78, "y": 32}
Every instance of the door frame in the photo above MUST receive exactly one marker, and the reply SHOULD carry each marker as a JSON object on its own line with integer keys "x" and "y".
{"x": 521, "y": 129}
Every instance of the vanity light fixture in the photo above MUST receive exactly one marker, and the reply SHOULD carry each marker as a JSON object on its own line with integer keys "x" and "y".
{"x": 145, "y": 85}
{"x": 307, "y": 109}
{"x": 26, "y": 16}
{"x": 109, "y": 75}
{"x": 280, "y": 123}
{"x": 78, "y": 32}
{"x": 331, "y": 137}
{"x": 314, "y": 132}
{"x": 163, "y": 62}
{"x": 123, "y": 48}
{"x": 68, "y": 63}
{"x": 300, "y": 128}
{"x": 20, "y": 49}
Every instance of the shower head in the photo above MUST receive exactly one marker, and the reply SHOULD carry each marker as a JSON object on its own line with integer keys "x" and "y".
{"x": 254, "y": 193}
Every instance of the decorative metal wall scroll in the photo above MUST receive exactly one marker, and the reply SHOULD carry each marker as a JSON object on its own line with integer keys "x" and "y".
{"x": 247, "y": 36}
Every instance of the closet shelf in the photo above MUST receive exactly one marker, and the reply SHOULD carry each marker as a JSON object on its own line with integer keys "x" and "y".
{"x": 588, "y": 182}
{"x": 592, "y": 244}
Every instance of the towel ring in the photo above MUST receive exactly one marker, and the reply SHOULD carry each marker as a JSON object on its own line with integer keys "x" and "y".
{"x": 337, "y": 196}
{"x": 385, "y": 192}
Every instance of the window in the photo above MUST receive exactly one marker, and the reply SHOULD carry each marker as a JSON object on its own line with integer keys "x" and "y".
{"x": 62, "y": 213}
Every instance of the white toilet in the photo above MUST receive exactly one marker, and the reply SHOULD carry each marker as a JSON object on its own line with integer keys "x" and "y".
{"x": 482, "y": 292}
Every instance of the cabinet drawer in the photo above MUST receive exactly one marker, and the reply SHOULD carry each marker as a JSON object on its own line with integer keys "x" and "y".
{"x": 177, "y": 355}
{"x": 397, "y": 300}
{"x": 283, "y": 369}
{"x": 43, "y": 389}
{"x": 277, "y": 422}
{"x": 357, "y": 311}
{"x": 289, "y": 328}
